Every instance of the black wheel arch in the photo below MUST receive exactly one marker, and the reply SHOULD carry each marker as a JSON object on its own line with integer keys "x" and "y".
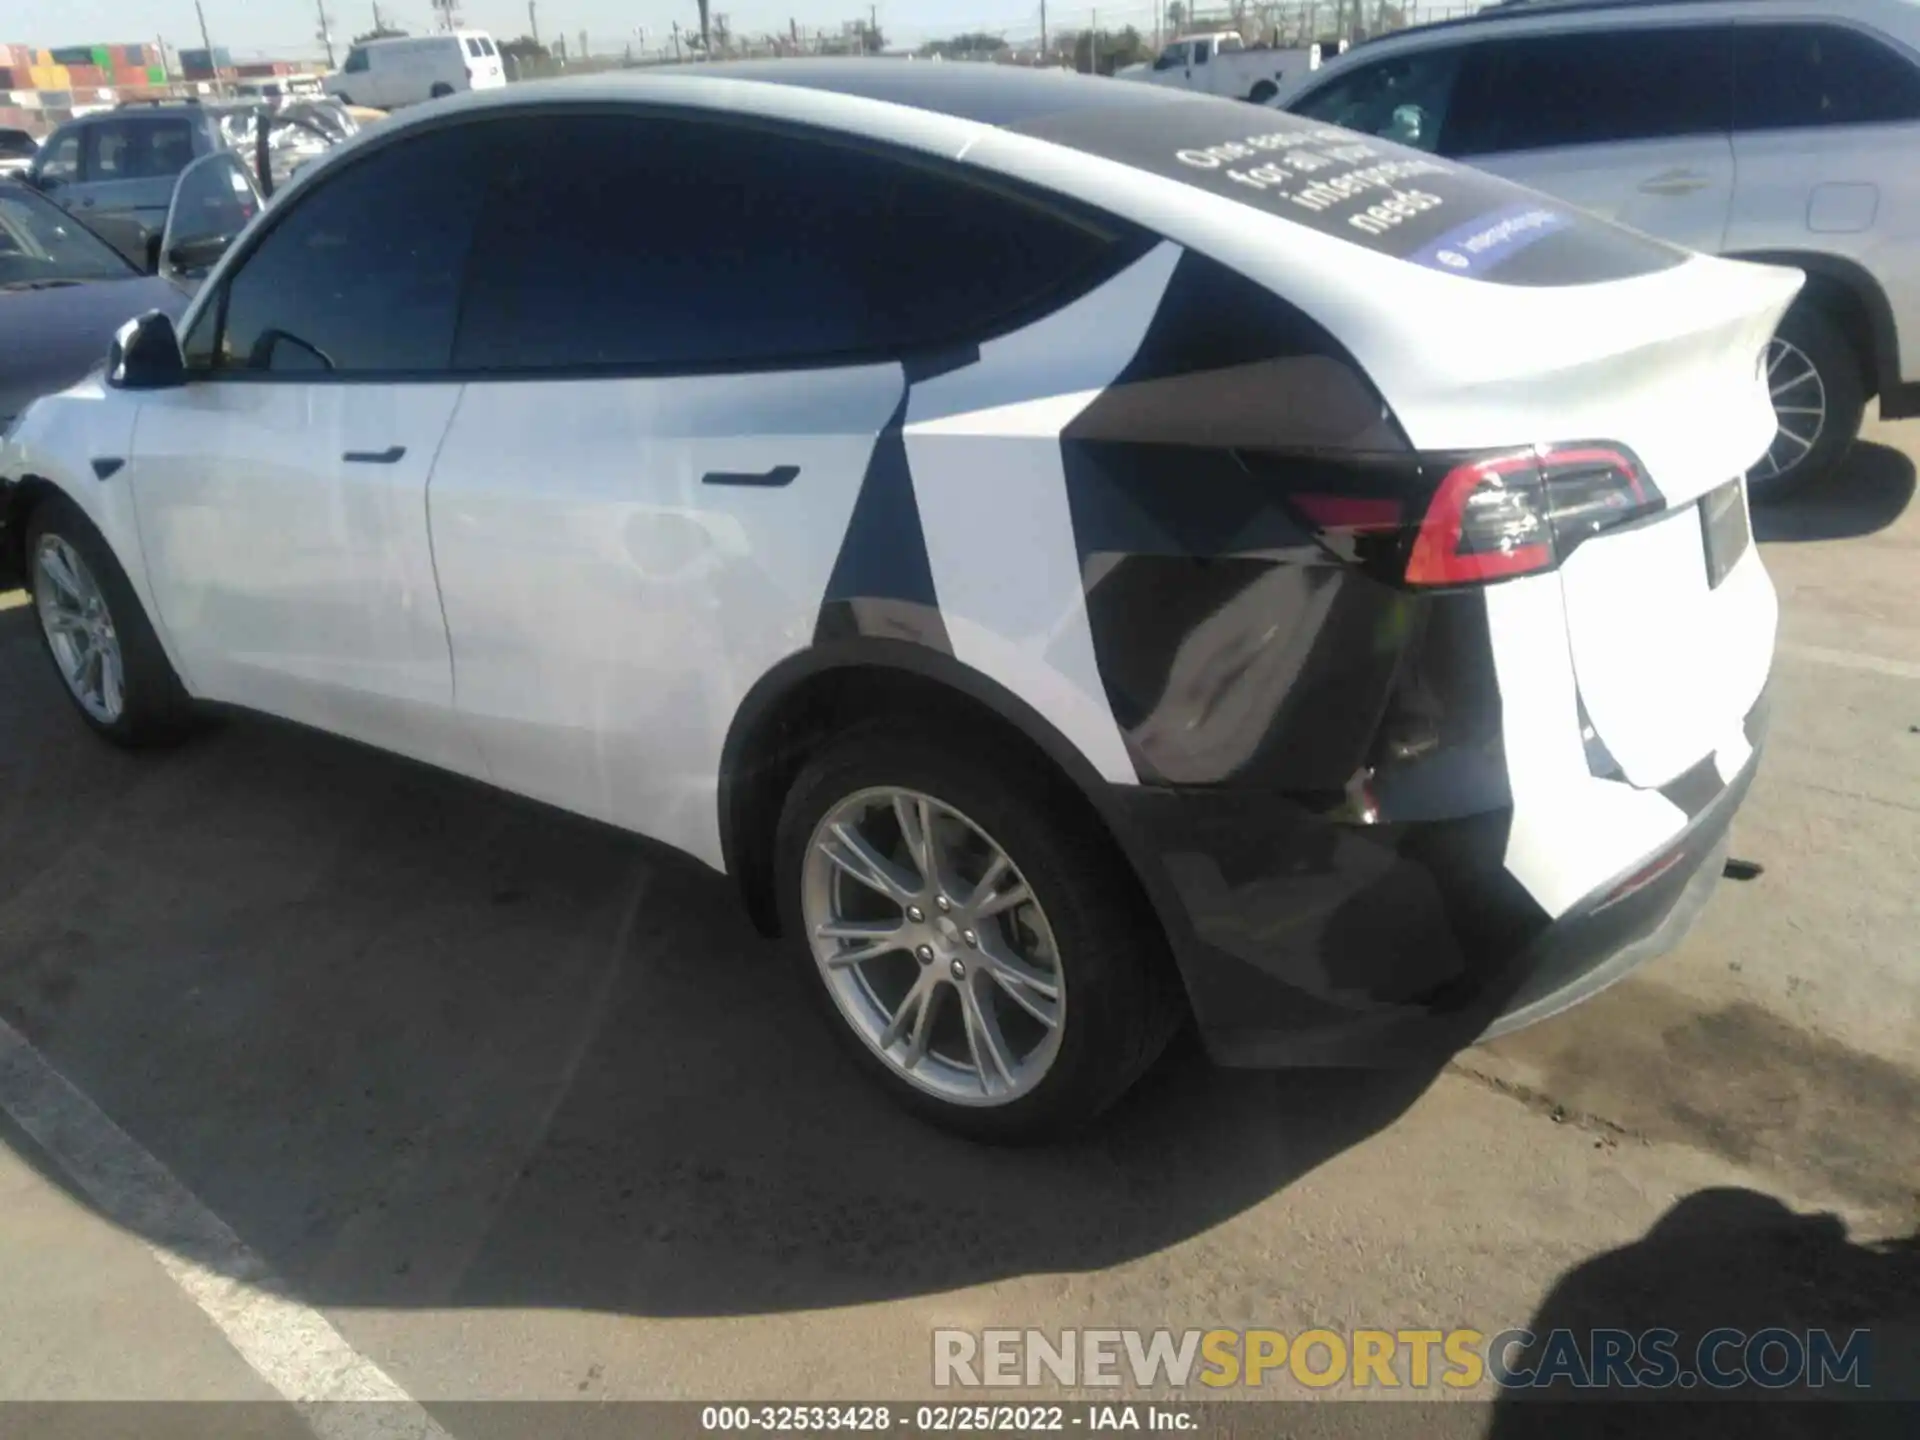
{"x": 800, "y": 701}
{"x": 17, "y": 503}
{"x": 1855, "y": 301}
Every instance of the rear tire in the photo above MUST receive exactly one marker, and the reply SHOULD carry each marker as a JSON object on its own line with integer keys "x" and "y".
{"x": 1819, "y": 397}
{"x": 127, "y": 692}
{"x": 1263, "y": 92}
{"x": 440, "y": 88}
{"x": 1086, "y": 932}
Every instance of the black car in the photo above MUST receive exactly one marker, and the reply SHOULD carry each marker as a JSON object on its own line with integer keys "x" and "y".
{"x": 63, "y": 292}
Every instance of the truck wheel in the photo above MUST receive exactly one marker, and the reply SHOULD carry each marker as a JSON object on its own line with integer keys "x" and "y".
{"x": 440, "y": 88}
{"x": 1263, "y": 93}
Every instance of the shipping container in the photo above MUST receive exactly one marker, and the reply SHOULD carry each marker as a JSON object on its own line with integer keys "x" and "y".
{"x": 12, "y": 79}
{"x": 156, "y": 74}
{"x": 217, "y": 58}
{"x": 51, "y": 77}
{"x": 86, "y": 76}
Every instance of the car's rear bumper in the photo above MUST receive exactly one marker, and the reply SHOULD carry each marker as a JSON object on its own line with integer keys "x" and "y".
{"x": 1307, "y": 940}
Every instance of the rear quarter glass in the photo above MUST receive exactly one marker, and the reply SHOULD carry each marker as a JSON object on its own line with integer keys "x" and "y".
{"x": 1375, "y": 194}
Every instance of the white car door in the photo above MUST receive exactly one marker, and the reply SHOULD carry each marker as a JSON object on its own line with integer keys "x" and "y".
{"x": 1631, "y": 123}
{"x": 281, "y": 492}
{"x": 700, "y": 467}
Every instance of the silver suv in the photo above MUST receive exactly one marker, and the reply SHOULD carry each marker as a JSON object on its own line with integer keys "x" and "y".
{"x": 1775, "y": 130}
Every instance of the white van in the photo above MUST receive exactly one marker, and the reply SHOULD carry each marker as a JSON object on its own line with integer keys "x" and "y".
{"x": 387, "y": 74}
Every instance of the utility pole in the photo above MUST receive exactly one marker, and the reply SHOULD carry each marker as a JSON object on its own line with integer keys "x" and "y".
{"x": 676, "y": 40}
{"x": 1043, "y": 31}
{"x": 584, "y": 51}
{"x": 326, "y": 31}
{"x": 208, "y": 42}
{"x": 533, "y": 20}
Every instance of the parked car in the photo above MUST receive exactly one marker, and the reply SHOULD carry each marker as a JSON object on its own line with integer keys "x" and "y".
{"x": 1751, "y": 128}
{"x": 63, "y": 293}
{"x": 1224, "y": 64}
{"x": 1080, "y": 555}
{"x": 17, "y": 149}
{"x": 387, "y": 74}
{"x": 116, "y": 169}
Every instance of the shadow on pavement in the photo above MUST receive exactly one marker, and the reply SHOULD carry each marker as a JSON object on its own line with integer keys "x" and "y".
{"x": 1741, "y": 1260}
{"x": 421, "y": 1044}
{"x": 1869, "y": 492}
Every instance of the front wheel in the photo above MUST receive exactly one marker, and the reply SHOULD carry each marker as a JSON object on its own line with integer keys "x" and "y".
{"x": 1263, "y": 93}
{"x": 980, "y": 947}
{"x": 440, "y": 88}
{"x": 1819, "y": 397}
{"x": 96, "y": 634}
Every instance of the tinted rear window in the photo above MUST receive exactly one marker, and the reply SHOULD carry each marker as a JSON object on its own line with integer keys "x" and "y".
{"x": 1793, "y": 76}
{"x": 1375, "y": 194}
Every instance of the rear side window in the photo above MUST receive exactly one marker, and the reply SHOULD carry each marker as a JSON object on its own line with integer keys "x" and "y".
{"x": 137, "y": 147}
{"x": 473, "y": 48}
{"x": 1790, "y": 77}
{"x": 486, "y": 46}
{"x": 1368, "y": 192}
{"x": 1590, "y": 88}
{"x": 690, "y": 244}
{"x": 362, "y": 276}
{"x": 356, "y": 62}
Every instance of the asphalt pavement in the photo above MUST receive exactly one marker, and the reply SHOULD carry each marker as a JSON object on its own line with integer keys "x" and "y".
{"x": 323, "y": 1074}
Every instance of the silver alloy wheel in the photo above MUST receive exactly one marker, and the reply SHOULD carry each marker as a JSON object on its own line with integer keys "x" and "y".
{"x": 1799, "y": 408}
{"x": 933, "y": 947}
{"x": 79, "y": 629}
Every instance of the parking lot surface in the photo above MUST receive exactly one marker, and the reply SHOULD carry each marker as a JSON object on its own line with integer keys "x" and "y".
{"x": 484, "y": 1102}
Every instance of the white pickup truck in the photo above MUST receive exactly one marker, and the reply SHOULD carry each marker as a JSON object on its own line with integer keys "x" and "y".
{"x": 1223, "y": 64}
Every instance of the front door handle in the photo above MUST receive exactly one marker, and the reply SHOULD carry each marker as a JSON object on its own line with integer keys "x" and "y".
{"x": 1675, "y": 182}
{"x": 375, "y": 457}
{"x": 769, "y": 479}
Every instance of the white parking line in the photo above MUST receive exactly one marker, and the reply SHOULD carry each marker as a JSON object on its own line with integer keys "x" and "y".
{"x": 1852, "y": 660}
{"x": 289, "y": 1345}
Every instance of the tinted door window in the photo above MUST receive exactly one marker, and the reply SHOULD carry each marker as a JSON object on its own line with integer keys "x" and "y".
{"x": 362, "y": 276}
{"x": 138, "y": 148}
{"x": 1789, "y": 76}
{"x": 692, "y": 244}
{"x": 1405, "y": 98}
{"x": 1590, "y": 88}
{"x": 473, "y": 49}
{"x": 356, "y": 62}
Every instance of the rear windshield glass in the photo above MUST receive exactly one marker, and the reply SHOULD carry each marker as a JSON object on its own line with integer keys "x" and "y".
{"x": 1378, "y": 195}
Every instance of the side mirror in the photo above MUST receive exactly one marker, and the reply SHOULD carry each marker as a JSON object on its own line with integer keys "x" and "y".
{"x": 145, "y": 354}
{"x": 194, "y": 257}
{"x": 213, "y": 200}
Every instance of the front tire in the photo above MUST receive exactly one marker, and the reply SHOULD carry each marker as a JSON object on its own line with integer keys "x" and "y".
{"x": 96, "y": 634}
{"x": 975, "y": 940}
{"x": 1819, "y": 397}
{"x": 1263, "y": 92}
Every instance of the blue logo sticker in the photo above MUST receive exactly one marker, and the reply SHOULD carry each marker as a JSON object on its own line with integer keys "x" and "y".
{"x": 1483, "y": 243}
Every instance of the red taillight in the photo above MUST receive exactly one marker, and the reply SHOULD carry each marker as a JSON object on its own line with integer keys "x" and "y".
{"x": 1514, "y": 514}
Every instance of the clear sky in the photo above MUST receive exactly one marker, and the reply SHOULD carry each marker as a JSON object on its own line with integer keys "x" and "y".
{"x": 286, "y": 27}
